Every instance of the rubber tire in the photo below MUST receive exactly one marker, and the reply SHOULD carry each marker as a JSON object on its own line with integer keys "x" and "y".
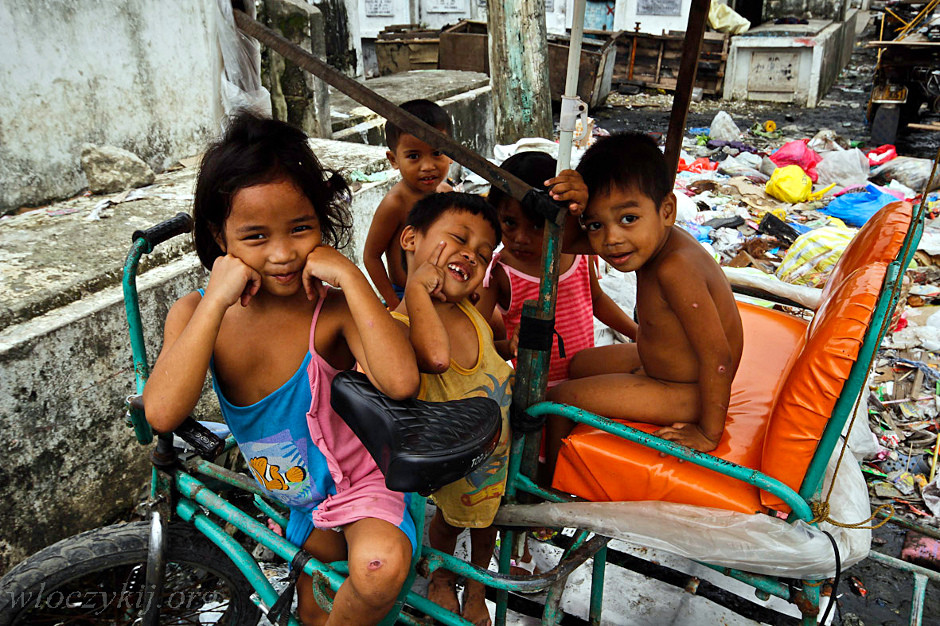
{"x": 884, "y": 125}
{"x": 91, "y": 554}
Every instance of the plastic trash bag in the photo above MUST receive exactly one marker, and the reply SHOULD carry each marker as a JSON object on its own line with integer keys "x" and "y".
{"x": 724, "y": 19}
{"x": 797, "y": 153}
{"x": 241, "y": 66}
{"x": 723, "y": 128}
{"x": 843, "y": 167}
{"x": 881, "y": 155}
{"x": 856, "y": 208}
{"x": 827, "y": 141}
{"x": 791, "y": 184}
{"x": 686, "y": 209}
{"x": 812, "y": 257}
{"x": 909, "y": 171}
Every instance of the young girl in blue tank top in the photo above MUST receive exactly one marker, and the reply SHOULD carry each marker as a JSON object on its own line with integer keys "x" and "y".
{"x": 273, "y": 336}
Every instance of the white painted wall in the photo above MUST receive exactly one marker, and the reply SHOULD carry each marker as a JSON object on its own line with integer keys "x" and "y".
{"x": 438, "y": 13}
{"x": 626, "y": 17}
{"x": 138, "y": 74}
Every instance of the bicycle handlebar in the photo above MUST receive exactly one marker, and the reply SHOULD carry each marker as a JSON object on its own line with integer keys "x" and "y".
{"x": 155, "y": 235}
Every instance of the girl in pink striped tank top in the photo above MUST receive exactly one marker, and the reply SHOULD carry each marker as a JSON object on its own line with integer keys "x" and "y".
{"x": 513, "y": 277}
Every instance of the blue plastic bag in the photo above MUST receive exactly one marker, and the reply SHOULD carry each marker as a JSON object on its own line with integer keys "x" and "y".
{"x": 855, "y": 208}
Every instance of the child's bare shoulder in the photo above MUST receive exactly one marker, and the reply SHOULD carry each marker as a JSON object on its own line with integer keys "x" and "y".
{"x": 684, "y": 259}
{"x": 397, "y": 201}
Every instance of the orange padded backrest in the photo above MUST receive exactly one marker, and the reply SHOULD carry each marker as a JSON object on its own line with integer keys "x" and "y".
{"x": 816, "y": 379}
{"x": 833, "y": 341}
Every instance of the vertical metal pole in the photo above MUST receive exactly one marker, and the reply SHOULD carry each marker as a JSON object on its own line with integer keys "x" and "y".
{"x": 597, "y": 586}
{"x": 917, "y": 599}
{"x": 692, "y": 47}
{"x": 571, "y": 79}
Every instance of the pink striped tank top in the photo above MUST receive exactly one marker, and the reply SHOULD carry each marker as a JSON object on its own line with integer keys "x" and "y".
{"x": 574, "y": 311}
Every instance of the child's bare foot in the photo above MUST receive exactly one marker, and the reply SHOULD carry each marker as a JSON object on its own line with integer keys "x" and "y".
{"x": 474, "y": 604}
{"x": 442, "y": 590}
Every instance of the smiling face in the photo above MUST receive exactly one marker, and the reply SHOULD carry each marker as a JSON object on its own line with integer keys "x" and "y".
{"x": 522, "y": 238}
{"x": 626, "y": 228}
{"x": 422, "y": 167}
{"x": 272, "y": 228}
{"x": 469, "y": 241}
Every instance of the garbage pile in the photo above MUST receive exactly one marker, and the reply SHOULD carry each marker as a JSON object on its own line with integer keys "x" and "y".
{"x": 786, "y": 207}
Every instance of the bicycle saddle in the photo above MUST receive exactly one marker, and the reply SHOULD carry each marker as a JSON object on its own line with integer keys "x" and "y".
{"x": 419, "y": 446}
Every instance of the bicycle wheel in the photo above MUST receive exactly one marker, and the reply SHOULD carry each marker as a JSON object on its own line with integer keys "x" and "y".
{"x": 98, "y": 577}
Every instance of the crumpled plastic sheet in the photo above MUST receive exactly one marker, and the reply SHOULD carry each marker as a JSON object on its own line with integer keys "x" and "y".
{"x": 241, "y": 67}
{"x": 753, "y": 277}
{"x": 757, "y": 543}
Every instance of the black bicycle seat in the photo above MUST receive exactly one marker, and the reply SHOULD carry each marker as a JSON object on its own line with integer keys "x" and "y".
{"x": 419, "y": 446}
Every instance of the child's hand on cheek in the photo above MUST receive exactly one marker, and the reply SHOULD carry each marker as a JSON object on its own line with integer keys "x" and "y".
{"x": 569, "y": 187}
{"x": 429, "y": 277}
{"x": 324, "y": 265}
{"x": 232, "y": 280}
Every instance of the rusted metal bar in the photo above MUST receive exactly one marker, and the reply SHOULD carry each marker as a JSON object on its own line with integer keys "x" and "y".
{"x": 692, "y": 47}
{"x": 508, "y": 183}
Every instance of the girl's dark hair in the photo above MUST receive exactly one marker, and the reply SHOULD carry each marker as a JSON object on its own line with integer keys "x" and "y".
{"x": 625, "y": 161}
{"x": 254, "y": 151}
{"x": 531, "y": 167}
{"x": 430, "y": 208}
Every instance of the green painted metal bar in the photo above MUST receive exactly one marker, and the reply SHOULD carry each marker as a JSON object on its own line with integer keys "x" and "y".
{"x": 552, "y": 613}
{"x": 270, "y": 511}
{"x": 195, "y": 490}
{"x": 598, "y": 572}
{"x": 807, "y": 601}
{"x": 505, "y": 562}
{"x": 857, "y": 380}
{"x": 188, "y": 511}
{"x": 917, "y": 599}
{"x": 738, "y": 472}
{"x": 142, "y": 429}
{"x": 434, "y": 611}
{"x": 217, "y": 472}
{"x": 524, "y": 483}
{"x": 766, "y": 584}
{"x": 890, "y": 561}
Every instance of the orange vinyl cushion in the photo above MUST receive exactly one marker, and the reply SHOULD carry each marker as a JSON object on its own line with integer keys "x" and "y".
{"x": 834, "y": 339}
{"x": 602, "y": 467}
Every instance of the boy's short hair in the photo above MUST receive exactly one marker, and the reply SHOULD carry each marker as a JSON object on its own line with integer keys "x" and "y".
{"x": 531, "y": 167}
{"x": 430, "y": 208}
{"x": 428, "y": 112}
{"x": 625, "y": 161}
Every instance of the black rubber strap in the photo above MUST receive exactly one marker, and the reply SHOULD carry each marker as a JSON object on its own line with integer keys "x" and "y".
{"x": 280, "y": 613}
{"x": 536, "y": 334}
{"x": 155, "y": 235}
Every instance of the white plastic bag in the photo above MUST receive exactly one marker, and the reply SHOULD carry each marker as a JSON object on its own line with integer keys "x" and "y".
{"x": 723, "y": 128}
{"x": 241, "y": 67}
{"x": 754, "y": 543}
{"x": 843, "y": 167}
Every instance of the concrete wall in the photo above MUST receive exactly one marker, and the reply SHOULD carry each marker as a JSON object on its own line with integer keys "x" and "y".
{"x": 627, "y": 15}
{"x": 810, "y": 9}
{"x": 140, "y": 75}
{"x": 780, "y": 63}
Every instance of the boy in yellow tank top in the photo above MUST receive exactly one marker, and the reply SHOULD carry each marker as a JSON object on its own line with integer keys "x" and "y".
{"x": 448, "y": 242}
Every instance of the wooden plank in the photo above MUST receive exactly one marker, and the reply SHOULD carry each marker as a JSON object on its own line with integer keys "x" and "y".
{"x": 934, "y": 126}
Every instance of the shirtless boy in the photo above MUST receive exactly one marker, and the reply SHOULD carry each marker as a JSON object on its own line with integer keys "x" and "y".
{"x": 423, "y": 172}
{"x": 678, "y": 373}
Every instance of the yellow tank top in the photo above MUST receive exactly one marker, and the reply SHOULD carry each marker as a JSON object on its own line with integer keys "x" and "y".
{"x": 472, "y": 501}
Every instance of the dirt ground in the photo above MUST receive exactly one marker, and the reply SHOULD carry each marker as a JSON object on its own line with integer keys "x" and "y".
{"x": 841, "y": 110}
